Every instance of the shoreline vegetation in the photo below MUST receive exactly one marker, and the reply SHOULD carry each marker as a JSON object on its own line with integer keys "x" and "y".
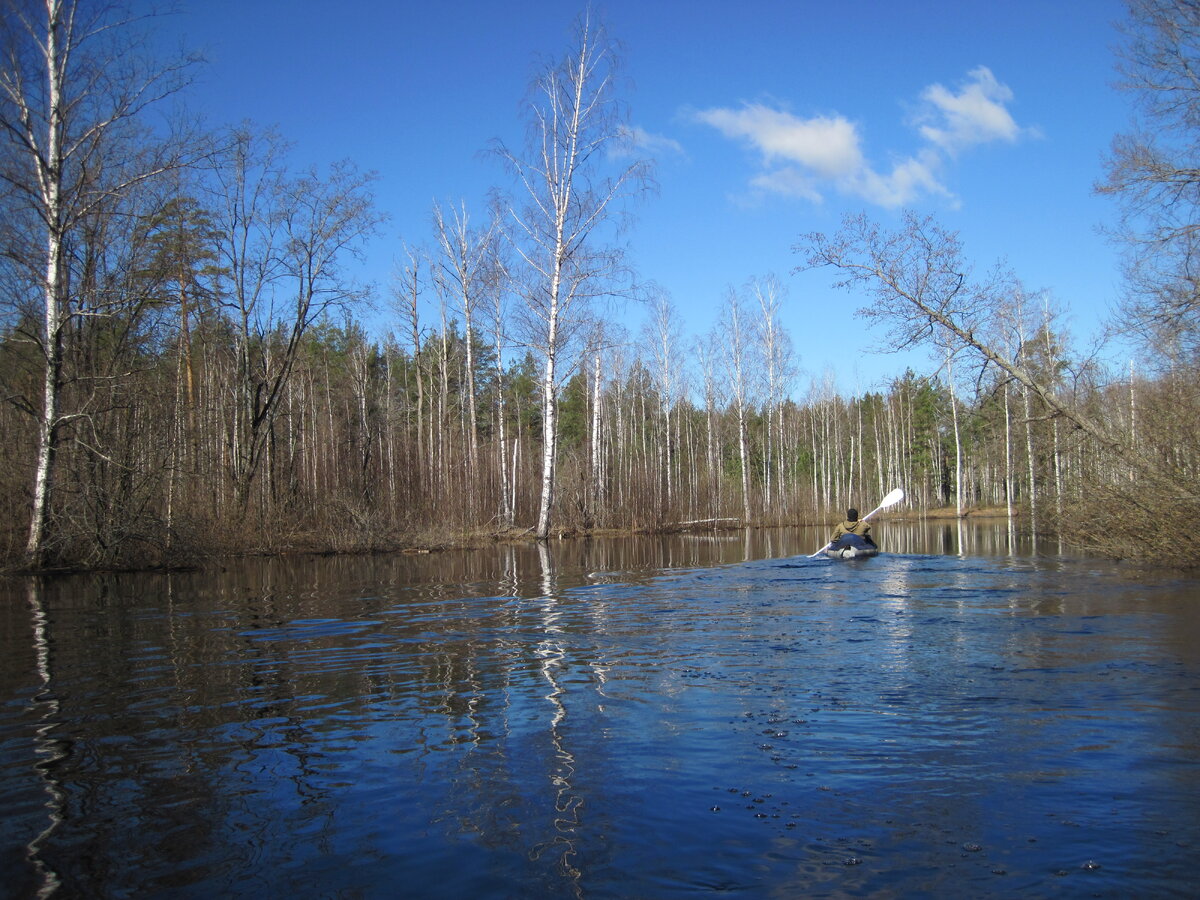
{"x": 433, "y": 542}
{"x": 186, "y": 371}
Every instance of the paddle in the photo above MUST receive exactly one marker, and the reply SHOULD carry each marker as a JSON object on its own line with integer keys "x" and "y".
{"x": 890, "y": 500}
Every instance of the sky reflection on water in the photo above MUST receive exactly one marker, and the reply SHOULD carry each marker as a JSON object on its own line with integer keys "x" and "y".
{"x": 639, "y": 717}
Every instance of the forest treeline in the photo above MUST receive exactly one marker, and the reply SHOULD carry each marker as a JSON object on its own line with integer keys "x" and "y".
{"x": 187, "y": 369}
{"x": 369, "y": 444}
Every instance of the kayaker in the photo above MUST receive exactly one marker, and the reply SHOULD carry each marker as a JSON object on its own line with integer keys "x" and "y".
{"x": 852, "y": 525}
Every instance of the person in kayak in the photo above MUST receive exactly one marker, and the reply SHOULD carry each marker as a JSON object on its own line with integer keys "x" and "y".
{"x": 853, "y": 525}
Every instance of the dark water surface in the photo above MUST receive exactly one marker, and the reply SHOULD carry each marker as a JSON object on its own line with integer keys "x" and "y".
{"x": 630, "y": 718}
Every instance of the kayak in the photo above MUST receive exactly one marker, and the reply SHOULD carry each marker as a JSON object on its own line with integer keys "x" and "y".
{"x": 852, "y": 546}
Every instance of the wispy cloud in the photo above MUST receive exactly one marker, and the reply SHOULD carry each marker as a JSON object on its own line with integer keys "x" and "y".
{"x": 975, "y": 115}
{"x": 908, "y": 180}
{"x": 634, "y": 140}
{"x": 810, "y": 157}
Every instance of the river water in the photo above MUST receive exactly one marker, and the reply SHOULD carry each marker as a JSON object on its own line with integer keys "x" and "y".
{"x": 640, "y": 717}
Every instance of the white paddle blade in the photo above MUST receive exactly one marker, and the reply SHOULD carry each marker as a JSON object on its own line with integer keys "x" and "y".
{"x": 890, "y": 500}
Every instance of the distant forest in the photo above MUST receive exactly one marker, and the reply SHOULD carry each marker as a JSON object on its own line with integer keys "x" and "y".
{"x": 186, "y": 371}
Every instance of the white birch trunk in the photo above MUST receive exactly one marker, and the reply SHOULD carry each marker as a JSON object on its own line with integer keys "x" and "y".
{"x": 597, "y": 460}
{"x": 1009, "y": 478}
{"x": 549, "y": 417}
{"x": 958, "y": 464}
{"x": 744, "y": 452}
{"x": 50, "y": 173}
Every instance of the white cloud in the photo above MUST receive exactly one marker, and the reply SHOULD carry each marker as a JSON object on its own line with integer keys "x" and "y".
{"x": 909, "y": 180}
{"x": 828, "y": 146}
{"x": 790, "y": 181}
{"x": 975, "y": 115}
{"x": 806, "y": 158}
{"x": 637, "y": 140}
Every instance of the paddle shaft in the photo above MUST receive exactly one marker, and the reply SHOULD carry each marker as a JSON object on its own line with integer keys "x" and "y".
{"x": 871, "y": 513}
{"x": 894, "y": 497}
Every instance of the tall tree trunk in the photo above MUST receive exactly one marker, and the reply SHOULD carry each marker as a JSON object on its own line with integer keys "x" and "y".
{"x": 1033, "y": 492}
{"x": 573, "y": 116}
{"x": 47, "y": 431}
{"x": 50, "y": 176}
{"x": 549, "y": 429}
{"x": 506, "y": 485}
{"x": 958, "y": 460}
{"x": 597, "y": 443}
{"x": 744, "y": 454}
{"x": 1009, "y": 475}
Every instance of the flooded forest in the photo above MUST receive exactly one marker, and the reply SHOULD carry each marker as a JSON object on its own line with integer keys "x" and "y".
{"x": 189, "y": 367}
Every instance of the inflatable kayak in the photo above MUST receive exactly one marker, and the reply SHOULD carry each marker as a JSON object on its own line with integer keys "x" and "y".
{"x": 851, "y": 546}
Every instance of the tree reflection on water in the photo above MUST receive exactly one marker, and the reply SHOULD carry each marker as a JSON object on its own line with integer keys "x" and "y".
{"x": 691, "y": 712}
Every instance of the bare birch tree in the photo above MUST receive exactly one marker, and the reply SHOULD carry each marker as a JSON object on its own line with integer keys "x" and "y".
{"x": 406, "y": 296}
{"x": 707, "y": 351}
{"x": 918, "y": 278}
{"x": 570, "y": 192}
{"x": 283, "y": 240}
{"x": 662, "y": 334}
{"x": 778, "y": 371}
{"x": 736, "y": 343}
{"x": 72, "y": 86}
{"x": 958, "y": 450}
{"x": 466, "y": 271}
{"x": 919, "y": 282}
{"x": 1154, "y": 172}
{"x": 499, "y": 319}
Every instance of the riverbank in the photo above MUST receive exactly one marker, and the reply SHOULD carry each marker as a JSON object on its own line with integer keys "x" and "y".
{"x": 434, "y": 540}
{"x": 265, "y": 543}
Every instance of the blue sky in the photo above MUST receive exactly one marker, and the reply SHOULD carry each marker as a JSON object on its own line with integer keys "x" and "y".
{"x": 767, "y": 119}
